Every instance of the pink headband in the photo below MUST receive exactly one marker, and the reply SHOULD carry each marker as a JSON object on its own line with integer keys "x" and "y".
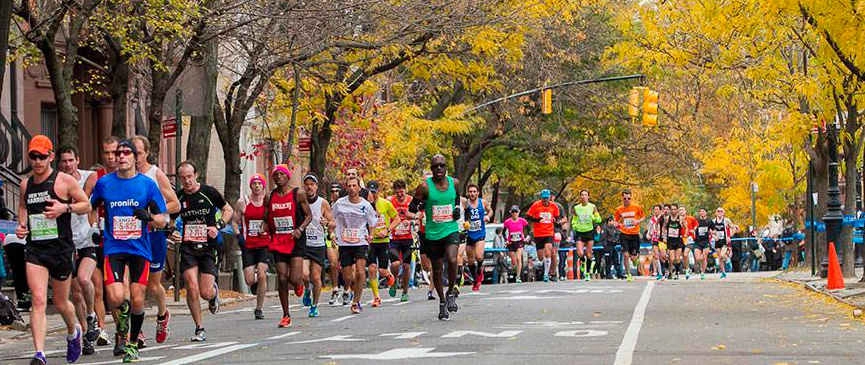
{"x": 281, "y": 168}
{"x": 259, "y": 178}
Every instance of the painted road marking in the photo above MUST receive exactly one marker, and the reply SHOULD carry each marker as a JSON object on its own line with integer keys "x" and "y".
{"x": 340, "y": 338}
{"x": 458, "y": 334}
{"x": 399, "y": 354}
{"x": 401, "y": 303}
{"x": 209, "y": 354}
{"x": 284, "y": 335}
{"x": 522, "y": 297}
{"x": 402, "y": 335}
{"x": 119, "y": 361}
{"x": 340, "y": 319}
{"x": 204, "y": 345}
{"x": 625, "y": 353}
{"x": 581, "y": 333}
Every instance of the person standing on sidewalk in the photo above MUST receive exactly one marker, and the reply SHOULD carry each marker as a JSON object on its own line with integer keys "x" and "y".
{"x": 48, "y": 200}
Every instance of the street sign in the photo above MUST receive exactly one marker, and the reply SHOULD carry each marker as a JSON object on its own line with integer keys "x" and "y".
{"x": 169, "y": 128}
{"x": 304, "y": 144}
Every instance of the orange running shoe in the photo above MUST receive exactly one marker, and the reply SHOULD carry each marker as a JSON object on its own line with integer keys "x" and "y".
{"x": 390, "y": 280}
{"x": 376, "y": 302}
{"x": 285, "y": 322}
{"x": 298, "y": 290}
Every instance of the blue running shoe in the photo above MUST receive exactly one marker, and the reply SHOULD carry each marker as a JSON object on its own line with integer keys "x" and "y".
{"x": 73, "y": 346}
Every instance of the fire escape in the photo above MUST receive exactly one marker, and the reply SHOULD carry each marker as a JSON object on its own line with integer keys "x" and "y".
{"x": 13, "y": 149}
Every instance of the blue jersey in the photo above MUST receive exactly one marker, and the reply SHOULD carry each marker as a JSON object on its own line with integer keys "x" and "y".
{"x": 475, "y": 216}
{"x": 125, "y": 234}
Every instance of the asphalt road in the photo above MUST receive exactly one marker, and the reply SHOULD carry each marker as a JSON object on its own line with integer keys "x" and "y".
{"x": 743, "y": 320}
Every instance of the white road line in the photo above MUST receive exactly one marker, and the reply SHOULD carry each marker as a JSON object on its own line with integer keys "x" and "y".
{"x": 284, "y": 335}
{"x": 340, "y": 319}
{"x": 118, "y": 361}
{"x": 625, "y": 353}
{"x": 401, "y": 303}
{"x": 209, "y": 354}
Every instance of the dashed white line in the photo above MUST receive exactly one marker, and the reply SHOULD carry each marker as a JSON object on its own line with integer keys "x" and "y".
{"x": 284, "y": 335}
{"x": 340, "y": 319}
{"x": 625, "y": 353}
{"x": 209, "y": 354}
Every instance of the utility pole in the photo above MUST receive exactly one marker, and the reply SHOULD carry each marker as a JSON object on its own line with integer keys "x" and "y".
{"x": 834, "y": 216}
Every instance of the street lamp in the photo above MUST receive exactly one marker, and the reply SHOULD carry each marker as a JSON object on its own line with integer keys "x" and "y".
{"x": 833, "y": 216}
{"x": 754, "y": 205}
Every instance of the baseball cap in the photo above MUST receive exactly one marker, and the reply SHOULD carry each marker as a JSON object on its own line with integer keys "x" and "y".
{"x": 41, "y": 144}
{"x": 372, "y": 186}
{"x": 545, "y": 194}
{"x": 335, "y": 187}
{"x": 514, "y": 208}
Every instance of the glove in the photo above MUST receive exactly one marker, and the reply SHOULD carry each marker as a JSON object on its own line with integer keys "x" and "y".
{"x": 143, "y": 214}
{"x": 154, "y": 209}
{"x": 456, "y": 213}
{"x": 95, "y": 235}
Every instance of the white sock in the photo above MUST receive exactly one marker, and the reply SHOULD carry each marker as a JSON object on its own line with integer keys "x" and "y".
{"x": 547, "y": 266}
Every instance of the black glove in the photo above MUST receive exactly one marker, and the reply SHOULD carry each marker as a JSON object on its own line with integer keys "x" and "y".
{"x": 143, "y": 214}
{"x": 154, "y": 209}
{"x": 456, "y": 213}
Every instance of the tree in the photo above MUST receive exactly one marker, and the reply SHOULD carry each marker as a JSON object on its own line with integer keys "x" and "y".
{"x": 5, "y": 18}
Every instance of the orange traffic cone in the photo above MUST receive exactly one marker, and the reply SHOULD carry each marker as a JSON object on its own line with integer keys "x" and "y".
{"x": 570, "y": 265}
{"x": 835, "y": 279}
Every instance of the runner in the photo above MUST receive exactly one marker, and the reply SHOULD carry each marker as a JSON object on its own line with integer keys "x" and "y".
{"x": 158, "y": 238}
{"x": 586, "y": 216}
{"x": 476, "y": 217}
{"x": 48, "y": 199}
{"x": 543, "y": 216}
{"x": 377, "y": 261}
{"x": 673, "y": 231}
{"x": 202, "y": 219}
{"x": 722, "y": 229}
{"x": 85, "y": 250}
{"x": 333, "y": 254}
{"x": 654, "y": 235}
{"x": 441, "y": 201}
{"x": 701, "y": 242}
{"x": 354, "y": 216}
{"x": 628, "y": 217}
{"x": 515, "y": 231}
{"x": 288, "y": 215}
{"x": 256, "y": 257}
{"x": 402, "y": 239}
{"x": 559, "y": 257}
{"x": 690, "y": 226}
{"x": 97, "y": 218}
{"x": 133, "y": 206}
{"x": 321, "y": 222}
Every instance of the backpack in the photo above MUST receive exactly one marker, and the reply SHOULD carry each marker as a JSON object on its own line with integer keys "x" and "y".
{"x": 8, "y": 313}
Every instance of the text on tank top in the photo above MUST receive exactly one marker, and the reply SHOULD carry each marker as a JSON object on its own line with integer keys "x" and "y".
{"x": 315, "y": 231}
{"x": 253, "y": 217}
{"x": 43, "y": 230}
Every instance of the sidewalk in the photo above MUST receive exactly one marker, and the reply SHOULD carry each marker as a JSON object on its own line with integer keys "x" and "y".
{"x": 853, "y": 293}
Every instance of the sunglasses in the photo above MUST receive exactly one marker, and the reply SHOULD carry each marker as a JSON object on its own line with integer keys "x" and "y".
{"x": 627, "y": 198}
{"x": 122, "y": 153}
{"x": 438, "y": 165}
{"x": 37, "y": 157}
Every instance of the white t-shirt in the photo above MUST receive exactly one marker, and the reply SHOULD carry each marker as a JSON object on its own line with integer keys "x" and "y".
{"x": 353, "y": 221}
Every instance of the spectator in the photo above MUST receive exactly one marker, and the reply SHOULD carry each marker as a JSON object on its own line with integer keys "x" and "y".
{"x": 14, "y": 248}
{"x": 612, "y": 259}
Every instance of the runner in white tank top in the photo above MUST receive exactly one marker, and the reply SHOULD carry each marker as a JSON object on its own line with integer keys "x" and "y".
{"x": 316, "y": 250}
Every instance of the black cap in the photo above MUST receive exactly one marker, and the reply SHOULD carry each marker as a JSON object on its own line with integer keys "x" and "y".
{"x": 128, "y": 143}
{"x": 515, "y": 208}
{"x": 372, "y": 186}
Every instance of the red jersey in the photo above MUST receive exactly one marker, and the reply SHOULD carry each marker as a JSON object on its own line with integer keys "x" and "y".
{"x": 403, "y": 230}
{"x": 691, "y": 224}
{"x": 546, "y": 215}
{"x": 282, "y": 219}
{"x": 253, "y": 217}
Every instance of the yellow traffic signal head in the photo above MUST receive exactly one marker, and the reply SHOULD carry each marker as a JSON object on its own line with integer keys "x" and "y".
{"x": 547, "y": 101}
{"x": 650, "y": 108}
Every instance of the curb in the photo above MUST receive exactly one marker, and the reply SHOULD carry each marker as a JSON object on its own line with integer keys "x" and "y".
{"x": 818, "y": 291}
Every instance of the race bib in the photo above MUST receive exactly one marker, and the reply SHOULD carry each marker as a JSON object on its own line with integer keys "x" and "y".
{"x": 701, "y": 231}
{"x": 254, "y": 228}
{"x": 314, "y": 232}
{"x": 629, "y": 222}
{"x": 42, "y": 228}
{"x": 719, "y": 235}
{"x": 403, "y": 229}
{"x": 442, "y": 213}
{"x": 126, "y": 228}
{"x": 546, "y": 217}
{"x": 673, "y": 232}
{"x": 195, "y": 233}
{"x": 475, "y": 226}
{"x": 584, "y": 218}
{"x": 379, "y": 224}
{"x": 284, "y": 225}
{"x": 516, "y": 236}
{"x": 351, "y": 235}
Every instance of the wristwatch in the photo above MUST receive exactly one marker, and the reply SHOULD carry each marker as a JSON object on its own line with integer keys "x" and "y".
{"x": 220, "y": 224}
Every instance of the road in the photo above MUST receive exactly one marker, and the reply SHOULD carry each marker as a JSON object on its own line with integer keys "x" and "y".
{"x": 743, "y": 320}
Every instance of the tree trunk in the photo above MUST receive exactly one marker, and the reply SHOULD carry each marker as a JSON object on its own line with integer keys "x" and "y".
{"x": 846, "y": 249}
{"x": 5, "y": 18}
{"x": 229, "y": 137}
{"x": 321, "y": 136}
{"x": 119, "y": 90}
{"x": 158, "y": 91}
{"x": 198, "y": 145}
{"x": 67, "y": 114}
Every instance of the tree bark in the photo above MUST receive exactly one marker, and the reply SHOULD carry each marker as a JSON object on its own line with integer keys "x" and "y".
{"x": 67, "y": 113}
{"x": 852, "y": 148}
{"x": 228, "y": 130}
{"x": 119, "y": 90}
{"x": 198, "y": 145}
{"x": 5, "y": 19}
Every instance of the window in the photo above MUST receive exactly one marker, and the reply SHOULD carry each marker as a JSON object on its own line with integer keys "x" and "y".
{"x": 49, "y": 121}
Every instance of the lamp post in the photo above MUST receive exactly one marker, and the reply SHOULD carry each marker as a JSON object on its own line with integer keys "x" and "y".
{"x": 754, "y": 206}
{"x": 833, "y": 216}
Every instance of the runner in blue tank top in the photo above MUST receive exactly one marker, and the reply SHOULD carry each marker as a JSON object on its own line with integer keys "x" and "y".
{"x": 476, "y": 217}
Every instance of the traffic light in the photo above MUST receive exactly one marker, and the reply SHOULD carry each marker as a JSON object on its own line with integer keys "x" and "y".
{"x": 634, "y": 101}
{"x": 650, "y": 108}
{"x": 547, "y": 101}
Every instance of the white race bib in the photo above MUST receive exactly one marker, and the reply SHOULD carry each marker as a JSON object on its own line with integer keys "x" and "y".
{"x": 719, "y": 235}
{"x": 701, "y": 231}
{"x": 629, "y": 222}
{"x": 254, "y": 228}
{"x": 195, "y": 233}
{"x": 351, "y": 235}
{"x": 284, "y": 225}
{"x": 442, "y": 213}
{"x": 474, "y": 226}
{"x": 126, "y": 228}
{"x": 673, "y": 232}
{"x": 584, "y": 218}
{"x": 546, "y": 217}
{"x": 403, "y": 228}
{"x": 42, "y": 228}
{"x": 516, "y": 236}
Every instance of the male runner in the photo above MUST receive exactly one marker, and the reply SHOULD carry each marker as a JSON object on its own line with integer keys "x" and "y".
{"x": 674, "y": 233}
{"x": 586, "y": 216}
{"x": 85, "y": 250}
{"x": 402, "y": 239}
{"x": 354, "y": 217}
{"x": 628, "y": 217}
{"x": 333, "y": 254}
{"x": 134, "y": 206}
{"x": 543, "y": 215}
{"x": 158, "y": 238}
{"x": 476, "y": 216}
{"x": 377, "y": 261}
{"x": 202, "y": 219}
{"x": 701, "y": 242}
{"x": 256, "y": 257}
{"x": 690, "y": 226}
{"x": 321, "y": 221}
{"x": 559, "y": 257}
{"x": 440, "y": 199}
{"x": 48, "y": 199}
{"x": 97, "y": 219}
{"x": 288, "y": 215}
{"x": 722, "y": 229}
{"x": 653, "y": 231}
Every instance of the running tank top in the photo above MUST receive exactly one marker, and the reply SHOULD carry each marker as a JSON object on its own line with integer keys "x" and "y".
{"x": 721, "y": 230}
{"x": 701, "y": 234}
{"x": 151, "y": 173}
{"x": 283, "y": 219}
{"x": 80, "y": 224}
{"x": 475, "y": 217}
{"x": 253, "y": 217}
{"x": 315, "y": 231}
{"x": 403, "y": 229}
{"x": 674, "y": 230}
{"x": 46, "y": 233}
{"x": 439, "y": 211}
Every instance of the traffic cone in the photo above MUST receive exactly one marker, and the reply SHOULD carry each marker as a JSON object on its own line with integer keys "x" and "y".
{"x": 835, "y": 279}
{"x": 570, "y": 265}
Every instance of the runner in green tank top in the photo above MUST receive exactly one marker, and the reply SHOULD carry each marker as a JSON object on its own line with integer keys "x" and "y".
{"x": 439, "y": 198}
{"x": 583, "y": 223}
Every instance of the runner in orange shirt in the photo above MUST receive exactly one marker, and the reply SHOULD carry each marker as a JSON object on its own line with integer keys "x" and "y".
{"x": 628, "y": 217}
{"x": 544, "y": 214}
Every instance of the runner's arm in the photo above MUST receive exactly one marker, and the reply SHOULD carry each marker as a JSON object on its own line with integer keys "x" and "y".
{"x": 22, "y": 231}
{"x": 81, "y": 204}
{"x": 304, "y": 205}
{"x": 327, "y": 214}
{"x": 421, "y": 194}
{"x": 394, "y": 218}
{"x": 489, "y": 216}
{"x": 172, "y": 205}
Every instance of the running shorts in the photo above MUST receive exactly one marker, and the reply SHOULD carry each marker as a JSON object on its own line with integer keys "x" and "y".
{"x": 400, "y": 250}
{"x": 675, "y": 244}
{"x": 348, "y": 255}
{"x": 204, "y": 258}
{"x": 701, "y": 245}
{"x": 82, "y": 253}
{"x": 630, "y": 244}
{"x": 720, "y": 243}
{"x": 378, "y": 254}
{"x": 584, "y": 236}
{"x": 436, "y": 249}
{"x": 59, "y": 265}
{"x": 115, "y": 265}
{"x": 255, "y": 256}
{"x": 542, "y": 242}
{"x": 315, "y": 254}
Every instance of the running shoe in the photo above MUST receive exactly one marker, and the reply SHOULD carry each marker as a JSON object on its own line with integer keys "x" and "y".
{"x": 131, "y": 353}
{"x": 258, "y": 314}
{"x": 73, "y": 346}
{"x": 92, "y": 329}
{"x": 476, "y": 286}
{"x": 480, "y": 278}
{"x": 546, "y": 278}
{"x": 162, "y": 328}
{"x": 298, "y": 290}
{"x": 87, "y": 347}
{"x": 403, "y": 297}
{"x": 456, "y": 290}
{"x": 659, "y": 277}
{"x": 119, "y": 343}
{"x": 588, "y": 278}
{"x": 333, "y": 295}
{"x": 213, "y": 304}
{"x": 376, "y": 302}
{"x": 723, "y": 274}
{"x": 451, "y": 301}
{"x": 307, "y": 300}
{"x": 313, "y": 311}
{"x": 142, "y": 341}
{"x": 38, "y": 359}
{"x": 390, "y": 280}
{"x": 629, "y": 278}
{"x": 102, "y": 338}
{"x": 687, "y": 275}
{"x": 200, "y": 335}
{"x": 430, "y": 296}
{"x": 443, "y": 312}
{"x": 285, "y": 322}
{"x": 702, "y": 276}
{"x": 519, "y": 280}
{"x": 346, "y": 299}
{"x": 355, "y": 308}
{"x": 392, "y": 291}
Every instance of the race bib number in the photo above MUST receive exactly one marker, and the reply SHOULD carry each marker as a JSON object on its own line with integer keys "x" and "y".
{"x": 719, "y": 235}
{"x": 42, "y": 228}
{"x": 351, "y": 235}
{"x": 442, "y": 213}
{"x": 195, "y": 233}
{"x": 516, "y": 236}
{"x": 403, "y": 228}
{"x": 629, "y": 222}
{"x": 673, "y": 232}
{"x": 284, "y": 225}
{"x": 475, "y": 226}
{"x": 584, "y": 218}
{"x": 701, "y": 231}
{"x": 314, "y": 232}
{"x": 546, "y": 217}
{"x": 254, "y": 228}
{"x": 379, "y": 224}
{"x": 126, "y": 228}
